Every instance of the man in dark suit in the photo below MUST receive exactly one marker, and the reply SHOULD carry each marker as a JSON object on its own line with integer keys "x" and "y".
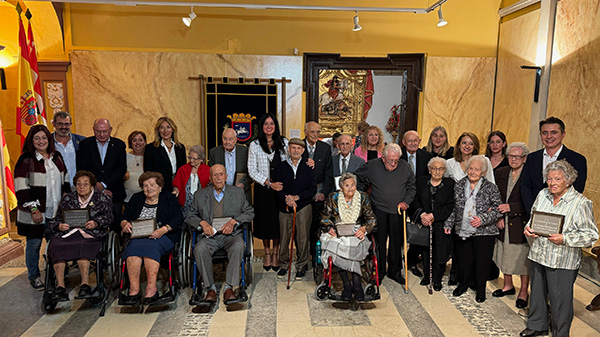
{"x": 345, "y": 161}
{"x": 552, "y": 132}
{"x": 219, "y": 201}
{"x": 106, "y": 158}
{"x": 417, "y": 160}
{"x": 318, "y": 155}
{"x": 65, "y": 142}
{"x": 235, "y": 159}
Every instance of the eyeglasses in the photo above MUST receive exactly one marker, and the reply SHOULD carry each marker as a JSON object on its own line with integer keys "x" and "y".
{"x": 437, "y": 169}
{"x": 392, "y": 161}
{"x": 511, "y": 157}
{"x": 62, "y": 124}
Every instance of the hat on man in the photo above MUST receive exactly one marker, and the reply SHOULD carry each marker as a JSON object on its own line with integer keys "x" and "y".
{"x": 296, "y": 141}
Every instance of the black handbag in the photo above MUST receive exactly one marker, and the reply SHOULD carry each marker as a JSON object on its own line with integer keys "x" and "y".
{"x": 417, "y": 234}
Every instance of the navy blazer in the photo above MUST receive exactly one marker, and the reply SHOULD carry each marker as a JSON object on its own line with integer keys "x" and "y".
{"x": 323, "y": 166}
{"x": 532, "y": 181}
{"x": 168, "y": 212}
{"x": 422, "y": 160}
{"x": 112, "y": 172}
{"x": 156, "y": 159}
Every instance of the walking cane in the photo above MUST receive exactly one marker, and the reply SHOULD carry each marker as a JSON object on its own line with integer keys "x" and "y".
{"x": 405, "y": 254}
{"x": 430, "y": 258}
{"x": 291, "y": 248}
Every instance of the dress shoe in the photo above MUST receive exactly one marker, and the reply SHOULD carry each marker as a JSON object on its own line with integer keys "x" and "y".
{"x": 301, "y": 273}
{"x": 502, "y": 293}
{"x": 228, "y": 295}
{"x": 281, "y": 273}
{"x": 150, "y": 300}
{"x": 84, "y": 291}
{"x": 458, "y": 291}
{"x": 522, "y": 303}
{"x": 532, "y": 333}
{"x": 437, "y": 286}
{"x": 415, "y": 270}
{"x": 424, "y": 282}
{"x": 60, "y": 295}
{"x": 132, "y": 300}
{"x": 211, "y": 296}
{"x": 480, "y": 298}
{"x": 265, "y": 267}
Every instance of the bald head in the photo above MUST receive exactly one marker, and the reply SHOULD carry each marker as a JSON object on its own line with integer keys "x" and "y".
{"x": 411, "y": 141}
{"x": 102, "y": 130}
{"x": 229, "y": 139}
{"x": 312, "y": 130}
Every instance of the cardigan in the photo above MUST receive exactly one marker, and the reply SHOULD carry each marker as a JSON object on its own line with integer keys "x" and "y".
{"x": 99, "y": 207}
{"x": 156, "y": 159}
{"x": 30, "y": 186}
{"x": 304, "y": 185}
{"x": 167, "y": 213}
{"x": 183, "y": 176}
{"x": 486, "y": 204}
{"x": 517, "y": 217}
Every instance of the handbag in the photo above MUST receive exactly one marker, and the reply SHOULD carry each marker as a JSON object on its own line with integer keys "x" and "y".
{"x": 417, "y": 234}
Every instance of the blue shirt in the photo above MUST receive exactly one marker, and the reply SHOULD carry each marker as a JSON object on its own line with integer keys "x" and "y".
{"x": 230, "y": 166}
{"x": 102, "y": 148}
{"x": 219, "y": 196}
{"x": 68, "y": 154}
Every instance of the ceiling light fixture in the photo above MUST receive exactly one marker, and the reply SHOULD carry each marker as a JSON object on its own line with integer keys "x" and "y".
{"x": 188, "y": 20}
{"x": 357, "y": 27}
{"x": 441, "y": 22}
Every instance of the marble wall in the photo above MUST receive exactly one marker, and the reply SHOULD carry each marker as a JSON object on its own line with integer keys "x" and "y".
{"x": 458, "y": 95}
{"x": 133, "y": 89}
{"x": 515, "y": 86}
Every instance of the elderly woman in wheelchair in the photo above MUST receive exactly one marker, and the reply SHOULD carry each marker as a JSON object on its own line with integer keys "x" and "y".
{"x": 81, "y": 244}
{"x": 348, "y": 210}
{"x": 161, "y": 207}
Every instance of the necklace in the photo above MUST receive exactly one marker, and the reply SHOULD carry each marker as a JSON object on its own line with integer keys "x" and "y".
{"x": 138, "y": 159}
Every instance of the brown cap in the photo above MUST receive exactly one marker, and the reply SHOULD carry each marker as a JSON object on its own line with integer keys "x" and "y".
{"x": 296, "y": 141}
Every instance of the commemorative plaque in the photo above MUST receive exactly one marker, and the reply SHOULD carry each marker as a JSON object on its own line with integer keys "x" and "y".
{"x": 76, "y": 218}
{"x": 218, "y": 223}
{"x": 544, "y": 223}
{"x": 345, "y": 228}
{"x": 142, "y": 228}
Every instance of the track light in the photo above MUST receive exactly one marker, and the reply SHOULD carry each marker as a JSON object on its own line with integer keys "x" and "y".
{"x": 188, "y": 20}
{"x": 357, "y": 27}
{"x": 441, "y": 22}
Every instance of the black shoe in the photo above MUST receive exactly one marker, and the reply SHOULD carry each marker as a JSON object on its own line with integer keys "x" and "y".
{"x": 37, "y": 283}
{"x": 60, "y": 295}
{"x": 347, "y": 294}
{"x": 480, "y": 298}
{"x": 501, "y": 293}
{"x": 437, "y": 286}
{"x": 532, "y": 333}
{"x": 521, "y": 303}
{"x": 452, "y": 282}
{"x": 84, "y": 291}
{"x": 275, "y": 268}
{"x": 132, "y": 300}
{"x": 281, "y": 273}
{"x": 150, "y": 300}
{"x": 400, "y": 279}
{"x": 458, "y": 291}
{"x": 424, "y": 282}
{"x": 301, "y": 273}
{"x": 415, "y": 270}
{"x": 266, "y": 268}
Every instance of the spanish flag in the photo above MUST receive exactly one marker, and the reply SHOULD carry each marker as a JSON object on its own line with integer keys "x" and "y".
{"x": 8, "y": 176}
{"x": 27, "y": 108}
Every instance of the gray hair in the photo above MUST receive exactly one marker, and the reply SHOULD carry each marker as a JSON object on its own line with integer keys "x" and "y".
{"x": 568, "y": 170}
{"x": 199, "y": 150}
{"x": 482, "y": 159}
{"x": 395, "y": 148}
{"x": 61, "y": 114}
{"x": 347, "y": 176}
{"x": 520, "y": 145}
{"x": 436, "y": 160}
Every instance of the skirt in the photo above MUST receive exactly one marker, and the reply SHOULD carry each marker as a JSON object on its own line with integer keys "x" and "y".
{"x": 346, "y": 253}
{"x": 511, "y": 258}
{"x": 74, "y": 247}
{"x": 150, "y": 248}
{"x": 266, "y": 214}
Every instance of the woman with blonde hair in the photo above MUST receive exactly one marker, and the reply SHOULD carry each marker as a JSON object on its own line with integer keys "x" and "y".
{"x": 372, "y": 144}
{"x": 438, "y": 144}
{"x": 165, "y": 154}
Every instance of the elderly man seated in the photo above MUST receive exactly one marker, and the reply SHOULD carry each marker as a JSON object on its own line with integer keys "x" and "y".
{"x": 212, "y": 205}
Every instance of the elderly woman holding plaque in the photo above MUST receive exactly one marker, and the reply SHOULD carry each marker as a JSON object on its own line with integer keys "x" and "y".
{"x": 148, "y": 243}
{"x": 342, "y": 208}
{"x": 78, "y": 230}
{"x": 555, "y": 251}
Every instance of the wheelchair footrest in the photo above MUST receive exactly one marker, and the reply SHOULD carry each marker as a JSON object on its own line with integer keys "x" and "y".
{"x": 241, "y": 298}
{"x": 164, "y": 299}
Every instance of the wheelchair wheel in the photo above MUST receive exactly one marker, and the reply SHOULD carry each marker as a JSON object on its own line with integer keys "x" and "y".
{"x": 322, "y": 292}
{"x": 318, "y": 273}
{"x": 182, "y": 263}
{"x": 370, "y": 290}
{"x": 248, "y": 256}
{"x": 113, "y": 267}
{"x": 99, "y": 299}
{"x": 48, "y": 305}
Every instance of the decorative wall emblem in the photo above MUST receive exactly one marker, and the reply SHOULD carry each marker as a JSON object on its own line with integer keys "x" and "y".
{"x": 242, "y": 124}
{"x": 55, "y": 96}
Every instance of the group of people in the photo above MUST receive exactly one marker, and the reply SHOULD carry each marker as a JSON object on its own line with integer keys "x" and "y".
{"x": 477, "y": 206}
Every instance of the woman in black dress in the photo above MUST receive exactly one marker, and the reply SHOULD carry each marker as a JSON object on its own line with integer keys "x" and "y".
{"x": 496, "y": 149}
{"x": 165, "y": 154}
{"x": 265, "y": 153}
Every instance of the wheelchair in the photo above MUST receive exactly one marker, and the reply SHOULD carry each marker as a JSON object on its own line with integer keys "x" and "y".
{"x": 103, "y": 268}
{"x": 169, "y": 261}
{"x": 370, "y": 277}
{"x": 191, "y": 276}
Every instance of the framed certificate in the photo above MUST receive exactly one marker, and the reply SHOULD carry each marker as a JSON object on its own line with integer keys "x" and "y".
{"x": 142, "y": 228}
{"x": 76, "y": 218}
{"x": 218, "y": 223}
{"x": 544, "y": 224}
{"x": 239, "y": 177}
{"x": 345, "y": 229}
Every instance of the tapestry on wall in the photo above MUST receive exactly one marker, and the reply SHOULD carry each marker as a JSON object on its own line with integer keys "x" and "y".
{"x": 239, "y": 106}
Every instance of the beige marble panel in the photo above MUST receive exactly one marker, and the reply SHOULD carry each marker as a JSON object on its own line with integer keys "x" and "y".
{"x": 574, "y": 92}
{"x": 133, "y": 89}
{"x": 458, "y": 95}
{"x": 515, "y": 86}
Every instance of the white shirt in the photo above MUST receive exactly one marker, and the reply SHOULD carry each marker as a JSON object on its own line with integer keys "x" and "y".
{"x": 171, "y": 154}
{"x": 68, "y": 154}
{"x": 454, "y": 171}
{"x": 547, "y": 158}
{"x": 294, "y": 167}
{"x": 53, "y": 185}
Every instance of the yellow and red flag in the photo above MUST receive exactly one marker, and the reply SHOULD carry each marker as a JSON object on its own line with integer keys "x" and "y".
{"x": 10, "y": 183}
{"x": 35, "y": 74}
{"x": 27, "y": 109}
